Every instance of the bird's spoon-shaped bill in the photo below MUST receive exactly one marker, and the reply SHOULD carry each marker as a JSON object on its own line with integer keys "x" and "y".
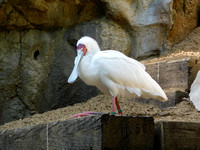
{"x": 74, "y": 73}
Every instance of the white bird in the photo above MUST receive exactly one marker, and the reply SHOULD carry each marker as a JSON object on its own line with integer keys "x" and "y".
{"x": 113, "y": 73}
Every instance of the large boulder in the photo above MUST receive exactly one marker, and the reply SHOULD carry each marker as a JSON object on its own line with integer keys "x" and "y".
{"x": 11, "y": 105}
{"x": 43, "y": 14}
{"x": 103, "y": 30}
{"x": 147, "y": 22}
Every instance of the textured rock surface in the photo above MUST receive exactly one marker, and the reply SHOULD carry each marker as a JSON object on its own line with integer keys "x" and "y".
{"x": 34, "y": 69}
{"x": 11, "y": 106}
{"x": 147, "y": 22}
{"x": 103, "y": 30}
{"x": 46, "y": 14}
{"x": 186, "y": 16}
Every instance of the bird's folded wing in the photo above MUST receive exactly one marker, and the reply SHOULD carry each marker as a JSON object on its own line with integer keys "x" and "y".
{"x": 128, "y": 73}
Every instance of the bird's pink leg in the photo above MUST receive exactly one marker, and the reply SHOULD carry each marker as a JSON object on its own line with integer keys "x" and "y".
{"x": 113, "y": 105}
{"x": 118, "y": 106}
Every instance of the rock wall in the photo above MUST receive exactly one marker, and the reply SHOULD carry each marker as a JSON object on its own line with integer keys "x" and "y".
{"x": 45, "y": 14}
{"x": 38, "y": 46}
{"x": 34, "y": 69}
{"x": 185, "y": 17}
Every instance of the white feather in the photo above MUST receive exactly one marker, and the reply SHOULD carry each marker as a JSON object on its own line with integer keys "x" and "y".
{"x": 116, "y": 74}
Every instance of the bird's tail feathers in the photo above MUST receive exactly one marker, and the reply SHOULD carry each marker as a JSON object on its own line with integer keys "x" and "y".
{"x": 159, "y": 96}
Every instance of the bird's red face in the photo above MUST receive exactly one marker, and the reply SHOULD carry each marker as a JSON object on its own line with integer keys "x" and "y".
{"x": 83, "y": 48}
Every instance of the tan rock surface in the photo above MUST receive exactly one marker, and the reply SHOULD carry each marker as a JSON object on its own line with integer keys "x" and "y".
{"x": 185, "y": 18}
{"x": 47, "y": 14}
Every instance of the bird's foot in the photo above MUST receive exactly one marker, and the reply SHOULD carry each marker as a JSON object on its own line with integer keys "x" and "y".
{"x": 86, "y": 113}
{"x": 114, "y": 113}
{"x": 120, "y": 112}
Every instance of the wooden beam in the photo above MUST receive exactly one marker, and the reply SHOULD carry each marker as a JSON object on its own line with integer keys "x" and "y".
{"x": 177, "y": 135}
{"x": 173, "y": 77}
{"x": 92, "y": 132}
{"x": 170, "y": 75}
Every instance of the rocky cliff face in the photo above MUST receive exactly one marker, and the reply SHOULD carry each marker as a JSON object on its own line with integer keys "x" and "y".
{"x": 38, "y": 45}
{"x": 185, "y": 17}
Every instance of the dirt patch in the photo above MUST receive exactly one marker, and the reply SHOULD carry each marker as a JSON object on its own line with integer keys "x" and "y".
{"x": 184, "y": 111}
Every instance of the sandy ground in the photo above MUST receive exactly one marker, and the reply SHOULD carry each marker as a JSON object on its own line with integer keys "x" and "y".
{"x": 184, "y": 111}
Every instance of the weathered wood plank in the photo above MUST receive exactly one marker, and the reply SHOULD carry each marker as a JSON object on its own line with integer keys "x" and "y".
{"x": 170, "y": 75}
{"x": 29, "y": 138}
{"x": 173, "y": 77}
{"x": 127, "y": 133}
{"x": 93, "y": 132}
{"x": 81, "y": 133}
{"x": 177, "y": 135}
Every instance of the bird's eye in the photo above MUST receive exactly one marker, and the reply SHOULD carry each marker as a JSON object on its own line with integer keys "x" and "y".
{"x": 83, "y": 46}
{"x": 80, "y": 46}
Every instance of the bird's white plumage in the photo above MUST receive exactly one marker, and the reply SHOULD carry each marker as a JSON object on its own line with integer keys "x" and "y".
{"x": 116, "y": 74}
